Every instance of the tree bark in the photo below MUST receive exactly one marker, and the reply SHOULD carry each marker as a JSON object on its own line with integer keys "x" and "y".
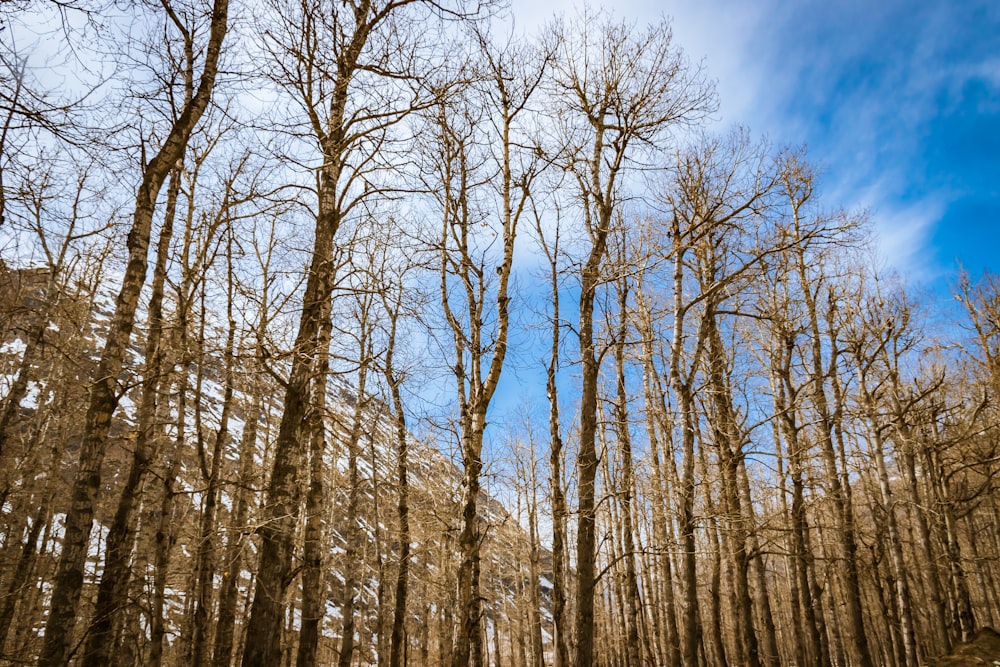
{"x": 844, "y": 515}
{"x": 105, "y": 393}
{"x": 352, "y": 533}
{"x": 115, "y": 577}
{"x": 313, "y": 581}
{"x": 397, "y": 648}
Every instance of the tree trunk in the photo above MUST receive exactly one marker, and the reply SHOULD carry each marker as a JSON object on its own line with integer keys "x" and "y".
{"x": 587, "y": 461}
{"x": 206, "y": 557}
{"x": 165, "y": 538}
{"x": 844, "y": 515}
{"x": 802, "y": 563}
{"x": 656, "y": 423}
{"x": 560, "y": 646}
{"x": 469, "y": 643}
{"x": 627, "y": 483}
{"x": 105, "y": 393}
{"x": 397, "y": 648}
{"x": 280, "y": 512}
{"x": 22, "y": 571}
{"x": 313, "y": 581}
{"x": 232, "y": 565}
{"x": 691, "y": 633}
{"x": 728, "y": 444}
{"x": 352, "y": 534}
{"x": 112, "y": 591}
{"x": 898, "y": 565}
{"x": 906, "y": 462}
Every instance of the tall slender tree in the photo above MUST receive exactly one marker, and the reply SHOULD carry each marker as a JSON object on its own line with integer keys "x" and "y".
{"x": 105, "y": 393}
{"x": 621, "y": 91}
{"x": 349, "y": 70}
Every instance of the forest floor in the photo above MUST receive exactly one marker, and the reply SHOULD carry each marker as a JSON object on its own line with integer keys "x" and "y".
{"x": 982, "y": 649}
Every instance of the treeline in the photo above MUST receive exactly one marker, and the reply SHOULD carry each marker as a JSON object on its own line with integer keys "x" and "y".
{"x": 250, "y": 250}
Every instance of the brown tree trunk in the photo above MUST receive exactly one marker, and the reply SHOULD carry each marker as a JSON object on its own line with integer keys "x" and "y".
{"x": 469, "y": 643}
{"x": 479, "y": 362}
{"x": 801, "y": 557}
{"x": 893, "y": 541}
{"x": 352, "y": 533}
{"x": 313, "y": 581}
{"x": 397, "y": 648}
{"x": 627, "y": 482}
{"x": 762, "y": 599}
{"x": 925, "y": 549}
{"x": 656, "y": 424}
{"x": 165, "y": 538}
{"x": 111, "y": 595}
{"x": 840, "y": 496}
{"x": 714, "y": 643}
{"x": 206, "y": 556}
{"x": 280, "y": 512}
{"x": 338, "y": 135}
{"x": 534, "y": 585}
{"x": 728, "y": 444}
{"x": 22, "y": 571}
{"x": 691, "y": 632}
{"x": 587, "y": 461}
{"x": 560, "y": 648}
{"x": 964, "y": 621}
{"x": 105, "y": 393}
{"x": 232, "y": 564}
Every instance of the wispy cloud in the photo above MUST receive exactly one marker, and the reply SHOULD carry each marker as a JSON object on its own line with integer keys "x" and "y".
{"x": 888, "y": 97}
{"x": 903, "y": 235}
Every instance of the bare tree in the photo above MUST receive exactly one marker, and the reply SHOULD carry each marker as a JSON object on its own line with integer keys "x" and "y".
{"x": 349, "y": 70}
{"x": 264, "y": 300}
{"x": 105, "y": 393}
{"x": 878, "y": 333}
{"x": 622, "y": 90}
{"x": 822, "y": 364}
{"x": 472, "y": 151}
{"x": 556, "y": 455}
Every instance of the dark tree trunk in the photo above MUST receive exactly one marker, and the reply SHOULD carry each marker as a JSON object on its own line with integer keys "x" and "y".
{"x": 263, "y": 642}
{"x": 112, "y": 591}
{"x": 587, "y": 460}
{"x": 105, "y": 392}
{"x": 313, "y": 581}
{"x": 397, "y": 648}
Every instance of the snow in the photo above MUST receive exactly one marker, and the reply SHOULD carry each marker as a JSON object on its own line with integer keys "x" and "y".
{"x": 128, "y": 405}
{"x": 58, "y": 526}
{"x": 97, "y": 539}
{"x": 333, "y": 610}
{"x": 30, "y": 399}
{"x": 16, "y": 347}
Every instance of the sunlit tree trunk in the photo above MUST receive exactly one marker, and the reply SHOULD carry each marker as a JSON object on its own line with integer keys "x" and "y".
{"x": 105, "y": 393}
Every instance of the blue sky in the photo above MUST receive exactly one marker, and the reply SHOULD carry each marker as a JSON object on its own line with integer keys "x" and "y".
{"x": 898, "y": 102}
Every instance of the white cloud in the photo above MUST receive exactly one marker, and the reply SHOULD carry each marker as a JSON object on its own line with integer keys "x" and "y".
{"x": 863, "y": 86}
{"x": 903, "y": 238}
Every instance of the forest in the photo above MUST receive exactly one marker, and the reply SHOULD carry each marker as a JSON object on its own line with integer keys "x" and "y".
{"x": 373, "y": 332}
